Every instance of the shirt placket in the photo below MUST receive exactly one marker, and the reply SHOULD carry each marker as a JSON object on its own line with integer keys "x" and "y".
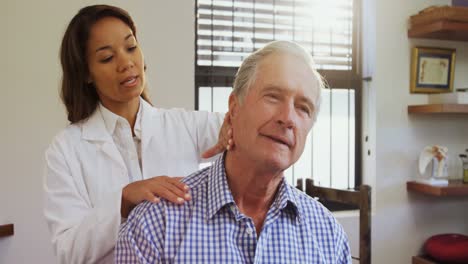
{"x": 250, "y": 237}
{"x": 247, "y": 236}
{"x": 128, "y": 151}
{"x": 262, "y": 242}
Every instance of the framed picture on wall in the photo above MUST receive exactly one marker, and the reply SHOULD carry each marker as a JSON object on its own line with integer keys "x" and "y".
{"x": 432, "y": 70}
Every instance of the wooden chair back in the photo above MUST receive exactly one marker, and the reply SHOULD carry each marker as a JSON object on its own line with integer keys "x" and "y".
{"x": 360, "y": 198}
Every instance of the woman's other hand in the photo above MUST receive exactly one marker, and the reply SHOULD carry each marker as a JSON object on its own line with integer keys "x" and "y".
{"x": 171, "y": 189}
{"x": 225, "y": 141}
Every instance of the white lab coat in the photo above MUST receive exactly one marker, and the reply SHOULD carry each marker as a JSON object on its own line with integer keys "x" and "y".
{"x": 86, "y": 174}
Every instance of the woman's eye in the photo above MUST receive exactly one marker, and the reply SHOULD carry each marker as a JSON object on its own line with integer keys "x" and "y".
{"x": 107, "y": 59}
{"x": 132, "y": 48}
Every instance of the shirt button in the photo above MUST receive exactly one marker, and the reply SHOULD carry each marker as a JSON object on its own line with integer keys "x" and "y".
{"x": 249, "y": 231}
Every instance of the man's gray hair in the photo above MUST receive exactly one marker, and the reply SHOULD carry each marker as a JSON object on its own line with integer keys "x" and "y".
{"x": 246, "y": 74}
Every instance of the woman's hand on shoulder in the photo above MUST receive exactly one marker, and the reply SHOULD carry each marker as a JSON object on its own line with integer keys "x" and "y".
{"x": 225, "y": 139}
{"x": 169, "y": 188}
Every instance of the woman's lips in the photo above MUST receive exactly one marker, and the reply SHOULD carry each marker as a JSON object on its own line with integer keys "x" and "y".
{"x": 130, "y": 82}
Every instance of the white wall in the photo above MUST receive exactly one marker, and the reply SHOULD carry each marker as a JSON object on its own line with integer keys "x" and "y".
{"x": 32, "y": 111}
{"x": 404, "y": 220}
{"x": 30, "y": 75}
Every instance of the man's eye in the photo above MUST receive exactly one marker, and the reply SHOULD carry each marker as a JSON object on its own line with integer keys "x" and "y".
{"x": 305, "y": 110}
{"x": 272, "y": 96}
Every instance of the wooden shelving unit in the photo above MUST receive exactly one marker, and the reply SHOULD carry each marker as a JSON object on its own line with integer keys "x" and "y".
{"x": 423, "y": 260}
{"x": 6, "y": 230}
{"x": 454, "y": 188}
{"x": 443, "y": 30}
{"x": 438, "y": 109}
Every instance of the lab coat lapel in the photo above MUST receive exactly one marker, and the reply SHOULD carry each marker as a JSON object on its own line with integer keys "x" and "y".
{"x": 94, "y": 130}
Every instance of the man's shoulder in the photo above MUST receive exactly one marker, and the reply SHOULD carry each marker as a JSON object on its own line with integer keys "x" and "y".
{"x": 146, "y": 209}
{"x": 315, "y": 216}
{"x": 323, "y": 227}
{"x": 155, "y": 219}
{"x": 197, "y": 179}
{"x": 311, "y": 208}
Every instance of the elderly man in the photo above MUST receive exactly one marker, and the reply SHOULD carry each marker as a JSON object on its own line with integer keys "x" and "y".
{"x": 242, "y": 210}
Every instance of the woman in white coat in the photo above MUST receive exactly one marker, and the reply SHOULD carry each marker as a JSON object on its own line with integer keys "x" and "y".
{"x": 111, "y": 156}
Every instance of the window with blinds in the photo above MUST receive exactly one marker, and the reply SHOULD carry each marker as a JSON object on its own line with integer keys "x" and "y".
{"x": 227, "y": 31}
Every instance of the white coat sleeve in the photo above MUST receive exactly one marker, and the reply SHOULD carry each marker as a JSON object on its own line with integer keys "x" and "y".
{"x": 207, "y": 126}
{"x": 81, "y": 232}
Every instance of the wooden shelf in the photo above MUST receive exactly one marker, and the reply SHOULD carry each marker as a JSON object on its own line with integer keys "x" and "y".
{"x": 438, "y": 109}
{"x": 6, "y": 230}
{"x": 443, "y": 30}
{"x": 422, "y": 260}
{"x": 454, "y": 188}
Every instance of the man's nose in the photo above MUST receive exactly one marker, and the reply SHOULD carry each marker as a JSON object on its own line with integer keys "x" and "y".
{"x": 287, "y": 115}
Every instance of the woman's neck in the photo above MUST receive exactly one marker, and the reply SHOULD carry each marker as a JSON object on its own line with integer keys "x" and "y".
{"x": 127, "y": 110}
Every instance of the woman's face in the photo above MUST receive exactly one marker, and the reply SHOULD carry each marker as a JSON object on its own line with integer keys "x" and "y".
{"x": 115, "y": 63}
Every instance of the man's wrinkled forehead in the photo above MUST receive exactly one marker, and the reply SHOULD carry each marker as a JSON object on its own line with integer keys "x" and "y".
{"x": 272, "y": 72}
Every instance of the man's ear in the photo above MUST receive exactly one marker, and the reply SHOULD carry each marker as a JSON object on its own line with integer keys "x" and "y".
{"x": 233, "y": 105}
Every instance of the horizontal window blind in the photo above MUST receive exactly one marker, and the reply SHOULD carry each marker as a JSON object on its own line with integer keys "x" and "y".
{"x": 230, "y": 30}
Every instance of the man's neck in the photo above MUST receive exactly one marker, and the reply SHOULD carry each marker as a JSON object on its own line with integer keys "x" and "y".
{"x": 253, "y": 186}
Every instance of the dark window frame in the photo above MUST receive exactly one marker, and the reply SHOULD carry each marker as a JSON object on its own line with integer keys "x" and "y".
{"x": 212, "y": 76}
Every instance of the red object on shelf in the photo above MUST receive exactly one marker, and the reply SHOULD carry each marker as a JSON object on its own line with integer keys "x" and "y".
{"x": 451, "y": 248}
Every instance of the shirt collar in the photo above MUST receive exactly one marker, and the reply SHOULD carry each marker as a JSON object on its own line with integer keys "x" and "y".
{"x": 137, "y": 128}
{"x": 219, "y": 194}
{"x": 287, "y": 198}
{"x": 111, "y": 119}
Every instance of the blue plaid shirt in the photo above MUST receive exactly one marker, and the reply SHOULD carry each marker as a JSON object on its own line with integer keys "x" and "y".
{"x": 211, "y": 229}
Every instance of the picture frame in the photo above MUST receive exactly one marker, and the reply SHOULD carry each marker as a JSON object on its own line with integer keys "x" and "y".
{"x": 432, "y": 70}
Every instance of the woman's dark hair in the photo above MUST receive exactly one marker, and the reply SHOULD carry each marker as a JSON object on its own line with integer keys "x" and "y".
{"x": 80, "y": 97}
